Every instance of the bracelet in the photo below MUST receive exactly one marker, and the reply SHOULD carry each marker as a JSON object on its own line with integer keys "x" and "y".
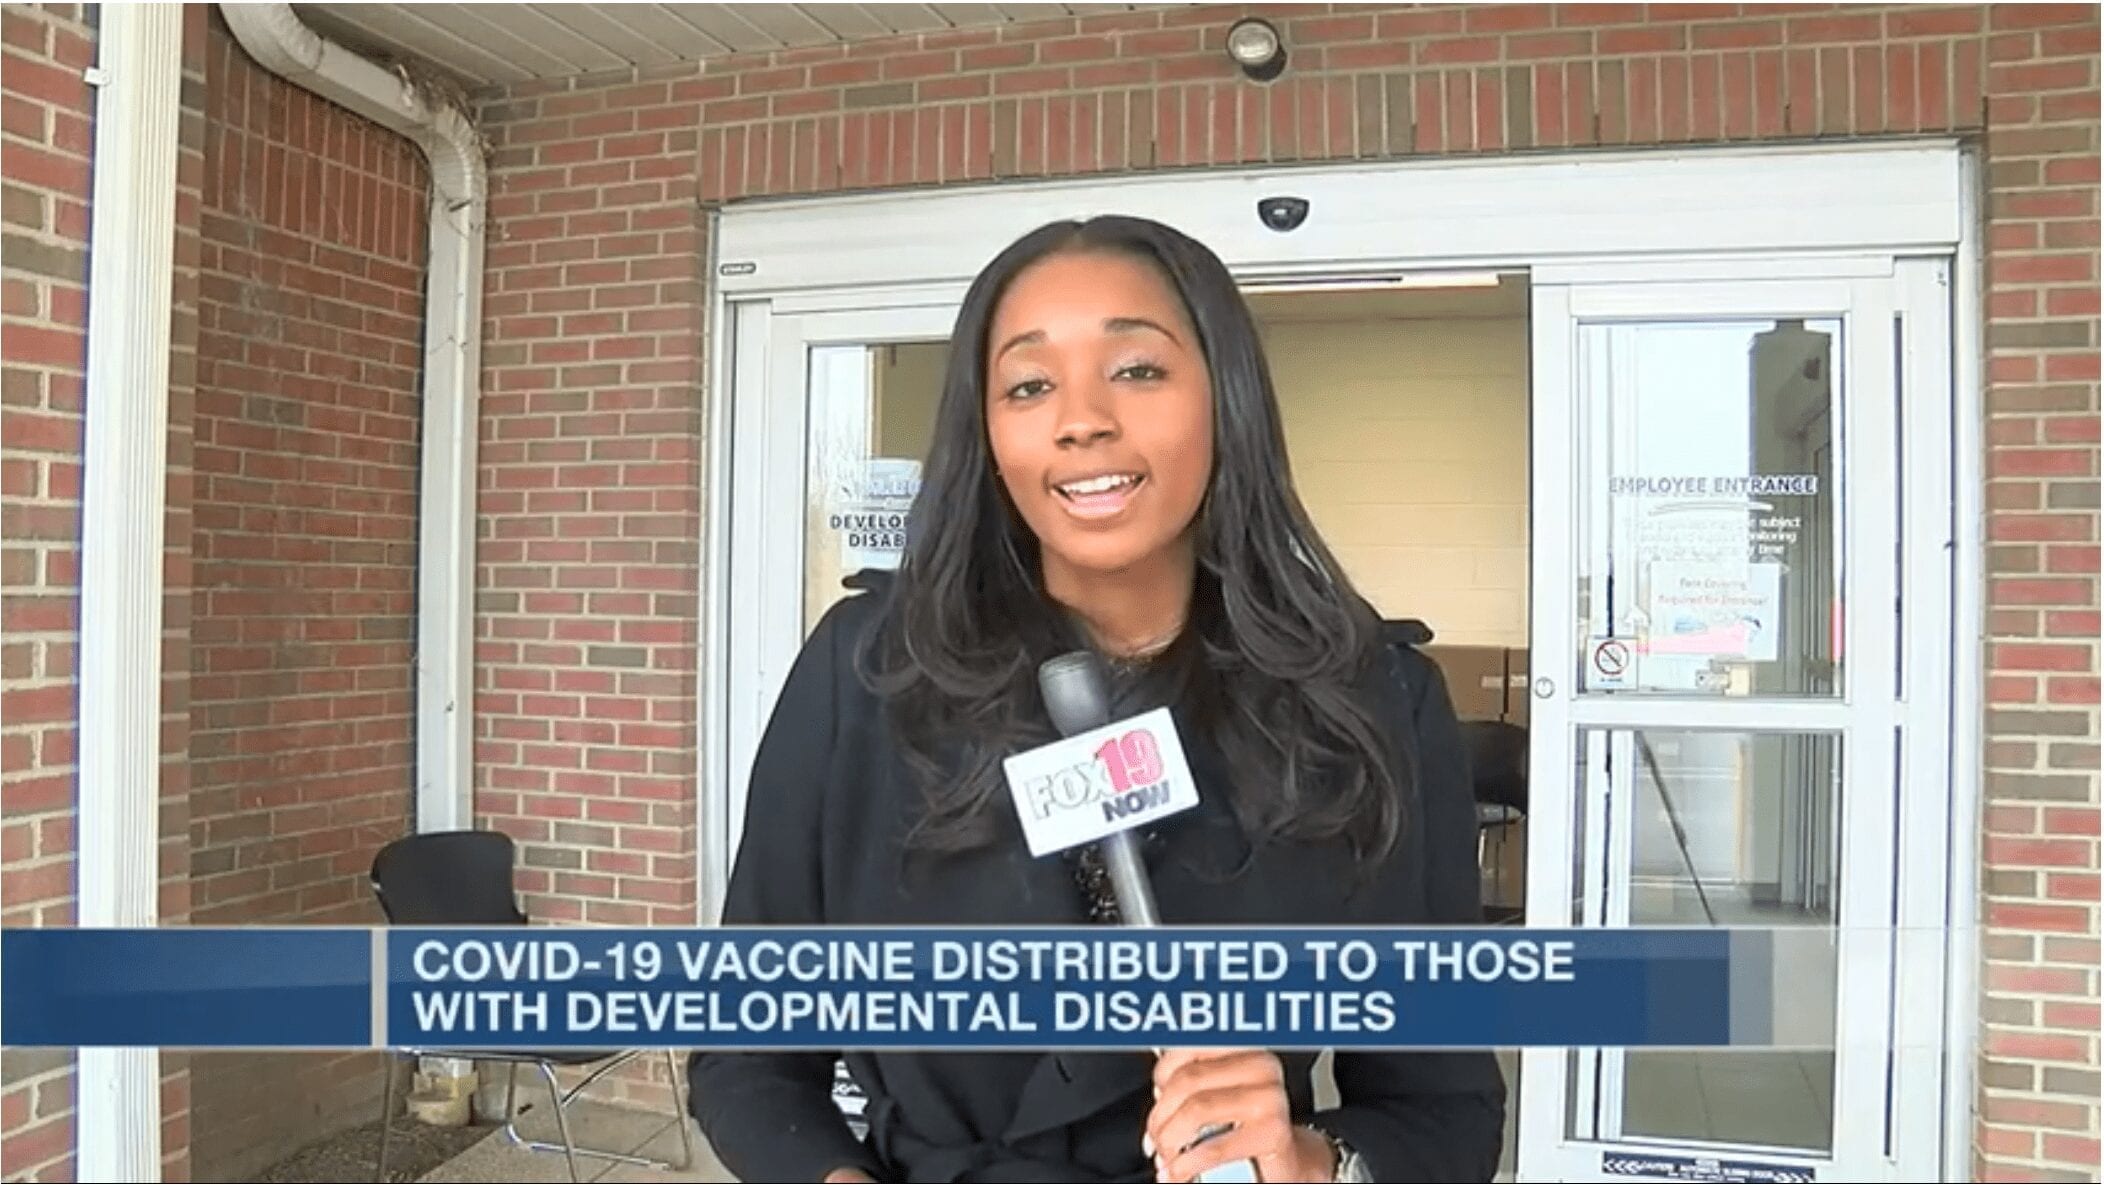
{"x": 1351, "y": 1167}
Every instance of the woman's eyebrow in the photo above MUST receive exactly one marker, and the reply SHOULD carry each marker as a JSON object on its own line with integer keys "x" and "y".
{"x": 1032, "y": 338}
{"x": 1110, "y": 325}
{"x": 1134, "y": 324}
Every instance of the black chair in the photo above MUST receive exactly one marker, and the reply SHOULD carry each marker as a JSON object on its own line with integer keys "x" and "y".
{"x": 1405, "y": 631}
{"x": 464, "y": 878}
{"x": 1497, "y": 761}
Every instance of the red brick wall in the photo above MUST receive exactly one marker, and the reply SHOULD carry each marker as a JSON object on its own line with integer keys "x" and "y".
{"x": 176, "y": 623}
{"x": 307, "y": 419}
{"x": 592, "y": 371}
{"x": 589, "y": 504}
{"x": 46, "y": 132}
{"x": 46, "y": 121}
{"x": 2039, "y": 1083}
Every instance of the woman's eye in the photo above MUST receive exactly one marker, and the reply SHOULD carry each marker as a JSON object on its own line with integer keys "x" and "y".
{"x": 1028, "y": 389}
{"x": 1142, "y": 372}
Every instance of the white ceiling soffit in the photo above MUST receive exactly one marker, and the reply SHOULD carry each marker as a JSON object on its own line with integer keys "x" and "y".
{"x": 496, "y": 44}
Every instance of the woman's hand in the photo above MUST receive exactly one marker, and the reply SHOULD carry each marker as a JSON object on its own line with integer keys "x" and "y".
{"x": 849, "y": 1176}
{"x": 1244, "y": 1089}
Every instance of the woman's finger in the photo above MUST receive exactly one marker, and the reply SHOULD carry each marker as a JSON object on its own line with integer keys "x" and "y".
{"x": 1178, "y": 1126}
{"x": 1216, "y": 1106}
{"x": 1250, "y": 1070}
{"x": 1263, "y": 1139}
{"x": 1171, "y": 1061}
{"x": 1229, "y": 1114}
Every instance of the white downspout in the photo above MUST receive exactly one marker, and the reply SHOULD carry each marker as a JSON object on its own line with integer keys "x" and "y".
{"x": 276, "y": 38}
{"x": 124, "y": 498}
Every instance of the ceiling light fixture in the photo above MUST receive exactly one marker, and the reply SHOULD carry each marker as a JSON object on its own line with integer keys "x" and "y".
{"x": 1256, "y": 49}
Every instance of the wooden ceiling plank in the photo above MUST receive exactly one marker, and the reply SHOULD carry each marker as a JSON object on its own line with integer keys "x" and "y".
{"x": 403, "y": 30}
{"x": 908, "y": 18}
{"x": 465, "y": 21}
{"x": 653, "y": 25}
{"x": 598, "y": 26}
{"x": 728, "y": 25}
{"x": 1023, "y": 14}
{"x": 788, "y": 24}
{"x": 849, "y": 22}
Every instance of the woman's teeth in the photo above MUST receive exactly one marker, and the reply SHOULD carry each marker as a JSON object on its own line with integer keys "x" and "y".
{"x": 1098, "y": 485}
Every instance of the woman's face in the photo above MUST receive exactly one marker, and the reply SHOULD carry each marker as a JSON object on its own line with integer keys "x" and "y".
{"x": 1099, "y": 412}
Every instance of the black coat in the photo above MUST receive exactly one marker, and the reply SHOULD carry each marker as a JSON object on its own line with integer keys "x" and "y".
{"x": 830, "y": 800}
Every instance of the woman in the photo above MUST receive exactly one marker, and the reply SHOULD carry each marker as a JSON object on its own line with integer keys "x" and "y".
{"x": 1107, "y": 470}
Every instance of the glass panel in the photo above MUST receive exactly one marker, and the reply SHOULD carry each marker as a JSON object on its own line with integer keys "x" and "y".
{"x": 1724, "y": 829}
{"x": 1709, "y": 552}
{"x": 872, "y": 413}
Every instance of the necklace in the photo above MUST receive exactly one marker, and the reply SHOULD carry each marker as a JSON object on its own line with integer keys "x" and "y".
{"x": 1146, "y": 652}
{"x": 1137, "y": 656}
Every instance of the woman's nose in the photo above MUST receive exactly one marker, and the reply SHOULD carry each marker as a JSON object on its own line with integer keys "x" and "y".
{"x": 1086, "y": 415}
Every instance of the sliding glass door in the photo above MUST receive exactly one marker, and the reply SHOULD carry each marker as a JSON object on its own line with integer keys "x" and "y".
{"x": 829, "y": 419}
{"x": 1741, "y": 651}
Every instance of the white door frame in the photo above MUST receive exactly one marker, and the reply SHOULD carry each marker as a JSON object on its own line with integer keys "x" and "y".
{"x": 1894, "y": 673}
{"x": 1665, "y": 214}
{"x": 1603, "y": 207}
{"x": 767, "y": 436}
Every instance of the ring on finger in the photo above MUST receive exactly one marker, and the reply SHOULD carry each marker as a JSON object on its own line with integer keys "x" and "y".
{"x": 1208, "y": 1132}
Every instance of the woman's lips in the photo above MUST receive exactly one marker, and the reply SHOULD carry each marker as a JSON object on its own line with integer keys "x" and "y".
{"x": 1101, "y": 497}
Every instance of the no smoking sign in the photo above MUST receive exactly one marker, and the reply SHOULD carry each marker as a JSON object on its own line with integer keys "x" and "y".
{"x": 1611, "y": 659}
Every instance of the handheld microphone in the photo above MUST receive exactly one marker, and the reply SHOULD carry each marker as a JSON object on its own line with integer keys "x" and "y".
{"x": 1077, "y": 697}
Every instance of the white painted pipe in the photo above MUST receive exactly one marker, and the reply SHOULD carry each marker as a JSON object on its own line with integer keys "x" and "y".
{"x": 124, "y": 499}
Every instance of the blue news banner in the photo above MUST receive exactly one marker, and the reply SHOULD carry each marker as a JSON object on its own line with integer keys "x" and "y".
{"x": 835, "y": 988}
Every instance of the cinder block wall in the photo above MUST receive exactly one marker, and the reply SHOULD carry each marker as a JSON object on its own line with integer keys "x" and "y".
{"x": 1409, "y": 445}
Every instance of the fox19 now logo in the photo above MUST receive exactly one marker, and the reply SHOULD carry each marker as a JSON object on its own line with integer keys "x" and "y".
{"x": 1078, "y": 790}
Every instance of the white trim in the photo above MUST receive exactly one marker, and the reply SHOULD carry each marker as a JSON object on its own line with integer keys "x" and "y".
{"x": 1754, "y": 292}
{"x": 1925, "y": 825}
{"x": 1867, "y": 506}
{"x": 1693, "y": 714}
{"x": 1434, "y": 213}
{"x": 712, "y": 825}
{"x": 445, "y": 659}
{"x": 1696, "y": 267}
{"x": 124, "y": 498}
{"x": 1968, "y": 680}
{"x": 1550, "y": 887}
{"x": 942, "y": 294}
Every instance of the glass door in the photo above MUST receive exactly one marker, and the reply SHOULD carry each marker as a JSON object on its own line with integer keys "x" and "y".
{"x": 1740, "y": 650}
{"x": 831, "y": 412}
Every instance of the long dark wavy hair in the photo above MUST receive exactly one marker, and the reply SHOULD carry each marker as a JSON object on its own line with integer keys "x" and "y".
{"x": 1269, "y": 666}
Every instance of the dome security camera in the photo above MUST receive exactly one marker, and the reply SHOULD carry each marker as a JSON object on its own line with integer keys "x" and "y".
{"x": 1283, "y": 214}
